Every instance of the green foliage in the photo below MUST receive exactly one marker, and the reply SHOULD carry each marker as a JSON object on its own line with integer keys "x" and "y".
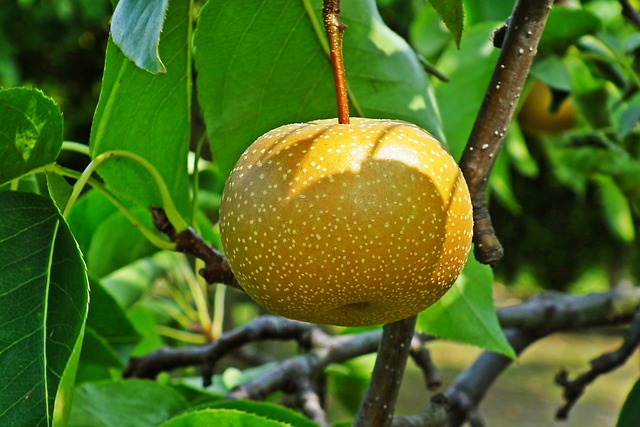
{"x": 43, "y": 295}
{"x": 466, "y": 313}
{"x": 31, "y": 134}
{"x": 254, "y": 76}
{"x": 136, "y": 27}
{"x": 630, "y": 412}
{"x": 566, "y": 203}
{"x": 222, "y": 418}
{"x": 148, "y": 115}
{"x": 119, "y": 404}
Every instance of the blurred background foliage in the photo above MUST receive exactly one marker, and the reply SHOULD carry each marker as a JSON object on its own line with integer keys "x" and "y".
{"x": 566, "y": 190}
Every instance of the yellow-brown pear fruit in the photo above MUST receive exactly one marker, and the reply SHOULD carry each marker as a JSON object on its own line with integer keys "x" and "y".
{"x": 346, "y": 224}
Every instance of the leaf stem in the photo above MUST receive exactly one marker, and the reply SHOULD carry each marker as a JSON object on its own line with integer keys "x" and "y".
{"x": 76, "y": 147}
{"x": 150, "y": 234}
{"x": 171, "y": 211}
{"x": 335, "y": 29}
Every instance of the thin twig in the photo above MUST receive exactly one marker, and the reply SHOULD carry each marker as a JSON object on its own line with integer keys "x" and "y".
{"x": 379, "y": 401}
{"x": 500, "y": 101}
{"x": 573, "y": 389}
{"x": 335, "y": 30}
{"x": 436, "y": 414}
{"x": 216, "y": 269}
{"x": 630, "y": 13}
{"x": 422, "y": 358}
{"x": 528, "y": 322}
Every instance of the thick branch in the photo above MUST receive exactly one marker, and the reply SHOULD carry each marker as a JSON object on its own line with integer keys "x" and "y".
{"x": 380, "y": 399}
{"x": 500, "y": 101}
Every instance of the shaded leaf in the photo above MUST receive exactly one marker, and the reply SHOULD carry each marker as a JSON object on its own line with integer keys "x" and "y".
{"x": 43, "y": 307}
{"x": 149, "y": 116}
{"x": 565, "y": 25}
{"x": 59, "y": 189}
{"x": 616, "y": 209}
{"x": 107, "y": 318}
{"x": 222, "y": 418}
{"x": 116, "y": 243}
{"x": 135, "y": 27}
{"x": 452, "y": 14}
{"x": 132, "y": 403}
{"x": 630, "y": 412}
{"x": 254, "y": 76}
{"x": 86, "y": 215}
{"x": 31, "y": 133}
{"x": 466, "y": 313}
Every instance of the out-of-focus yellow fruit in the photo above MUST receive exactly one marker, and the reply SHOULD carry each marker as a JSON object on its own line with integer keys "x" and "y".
{"x": 536, "y": 118}
{"x": 346, "y": 224}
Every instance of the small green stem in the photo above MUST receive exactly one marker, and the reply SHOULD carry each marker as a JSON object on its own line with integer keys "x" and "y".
{"x": 172, "y": 213}
{"x": 150, "y": 234}
{"x": 218, "y": 311}
{"x": 76, "y": 147}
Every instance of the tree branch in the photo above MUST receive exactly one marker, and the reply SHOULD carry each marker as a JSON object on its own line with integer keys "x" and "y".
{"x": 630, "y": 13}
{"x": 380, "y": 399}
{"x": 573, "y": 389}
{"x": 528, "y": 322}
{"x": 216, "y": 269}
{"x": 500, "y": 101}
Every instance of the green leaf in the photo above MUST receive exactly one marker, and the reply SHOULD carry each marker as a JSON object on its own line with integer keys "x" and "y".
{"x": 59, "y": 189}
{"x": 132, "y": 403}
{"x": 266, "y": 410}
{"x": 630, "y": 412}
{"x": 116, "y": 243}
{"x": 254, "y": 75}
{"x": 589, "y": 94}
{"x": 565, "y": 25}
{"x": 222, "y": 418}
{"x": 43, "y": 308}
{"x": 31, "y": 134}
{"x": 148, "y": 115}
{"x": 616, "y": 209}
{"x": 452, "y": 14}
{"x": 107, "y": 318}
{"x": 135, "y": 27}
{"x": 86, "y": 215}
{"x": 466, "y": 313}
{"x": 460, "y": 99}
{"x": 96, "y": 350}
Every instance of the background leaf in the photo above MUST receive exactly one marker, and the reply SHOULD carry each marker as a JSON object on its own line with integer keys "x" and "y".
{"x": 630, "y": 412}
{"x": 254, "y": 76}
{"x": 267, "y": 410}
{"x": 119, "y": 404}
{"x": 452, "y": 14}
{"x": 466, "y": 313}
{"x": 222, "y": 418}
{"x": 148, "y": 115}
{"x": 31, "y": 134}
{"x": 43, "y": 307}
{"x": 135, "y": 27}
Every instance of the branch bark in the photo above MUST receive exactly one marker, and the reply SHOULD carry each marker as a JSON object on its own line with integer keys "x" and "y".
{"x": 379, "y": 401}
{"x": 500, "y": 101}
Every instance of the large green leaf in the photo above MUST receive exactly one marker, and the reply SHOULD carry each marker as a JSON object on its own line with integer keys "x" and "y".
{"x": 148, "y": 115}
{"x": 134, "y": 403}
{"x": 222, "y": 418}
{"x": 135, "y": 27}
{"x": 31, "y": 133}
{"x": 264, "y": 63}
{"x": 43, "y": 307}
{"x": 466, "y": 313}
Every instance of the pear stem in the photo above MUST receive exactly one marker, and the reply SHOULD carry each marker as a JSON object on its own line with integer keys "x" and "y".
{"x": 335, "y": 29}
